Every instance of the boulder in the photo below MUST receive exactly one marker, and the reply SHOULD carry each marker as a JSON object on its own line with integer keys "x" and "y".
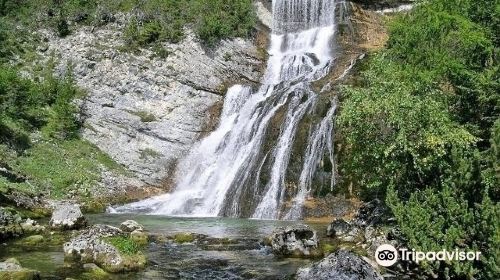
{"x": 140, "y": 237}
{"x": 372, "y": 213}
{"x": 9, "y": 224}
{"x": 344, "y": 231}
{"x": 91, "y": 246}
{"x": 92, "y": 271}
{"x": 130, "y": 226}
{"x": 12, "y": 270}
{"x": 296, "y": 241}
{"x": 341, "y": 265}
{"x": 32, "y": 240}
{"x": 31, "y": 226}
{"x": 67, "y": 217}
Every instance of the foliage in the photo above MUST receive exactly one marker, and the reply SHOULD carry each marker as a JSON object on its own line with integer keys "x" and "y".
{"x": 150, "y": 21}
{"x": 422, "y": 128}
{"x": 27, "y": 106}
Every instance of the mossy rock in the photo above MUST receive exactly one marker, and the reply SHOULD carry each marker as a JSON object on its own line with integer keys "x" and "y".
{"x": 24, "y": 274}
{"x": 32, "y": 240}
{"x": 184, "y": 238}
{"x": 93, "y": 272}
{"x": 139, "y": 237}
{"x": 12, "y": 270}
{"x": 128, "y": 263}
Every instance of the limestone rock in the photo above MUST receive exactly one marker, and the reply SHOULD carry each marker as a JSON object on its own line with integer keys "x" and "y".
{"x": 297, "y": 241}
{"x": 341, "y": 265}
{"x": 147, "y": 111}
{"x": 130, "y": 226}
{"x": 67, "y": 217}
{"x": 91, "y": 247}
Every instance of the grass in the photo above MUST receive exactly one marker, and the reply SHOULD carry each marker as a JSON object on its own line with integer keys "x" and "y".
{"x": 125, "y": 245}
{"x": 150, "y": 22}
{"x": 55, "y": 167}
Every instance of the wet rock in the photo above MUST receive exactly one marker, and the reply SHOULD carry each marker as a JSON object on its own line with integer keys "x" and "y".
{"x": 11, "y": 269}
{"x": 130, "y": 226}
{"x": 92, "y": 271}
{"x": 67, "y": 217}
{"x": 297, "y": 241}
{"x": 372, "y": 213}
{"x": 344, "y": 231}
{"x": 341, "y": 265}
{"x": 91, "y": 246}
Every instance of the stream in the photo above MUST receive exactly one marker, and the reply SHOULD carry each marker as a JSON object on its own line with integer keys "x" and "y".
{"x": 244, "y": 258}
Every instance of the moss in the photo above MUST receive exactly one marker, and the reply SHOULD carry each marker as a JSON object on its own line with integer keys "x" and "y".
{"x": 328, "y": 248}
{"x": 24, "y": 274}
{"x": 125, "y": 245}
{"x": 184, "y": 238}
{"x": 32, "y": 240}
{"x": 94, "y": 206}
{"x": 139, "y": 237}
{"x": 133, "y": 262}
{"x": 95, "y": 273}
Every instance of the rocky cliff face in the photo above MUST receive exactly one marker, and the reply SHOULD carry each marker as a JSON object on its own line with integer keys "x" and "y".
{"x": 147, "y": 110}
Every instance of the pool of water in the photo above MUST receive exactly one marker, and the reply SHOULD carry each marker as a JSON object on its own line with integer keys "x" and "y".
{"x": 167, "y": 260}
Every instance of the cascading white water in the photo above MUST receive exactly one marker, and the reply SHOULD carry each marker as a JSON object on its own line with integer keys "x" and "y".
{"x": 214, "y": 177}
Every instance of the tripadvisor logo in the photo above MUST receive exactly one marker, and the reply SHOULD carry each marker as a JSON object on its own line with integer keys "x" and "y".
{"x": 386, "y": 255}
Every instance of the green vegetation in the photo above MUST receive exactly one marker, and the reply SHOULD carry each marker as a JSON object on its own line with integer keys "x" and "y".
{"x": 124, "y": 244}
{"x": 421, "y": 128}
{"x": 150, "y": 21}
{"x": 39, "y": 125}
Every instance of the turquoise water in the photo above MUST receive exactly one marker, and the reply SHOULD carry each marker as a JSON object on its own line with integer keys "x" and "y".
{"x": 246, "y": 259}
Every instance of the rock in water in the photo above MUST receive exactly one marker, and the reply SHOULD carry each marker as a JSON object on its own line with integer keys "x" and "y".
{"x": 11, "y": 269}
{"x": 91, "y": 246}
{"x": 130, "y": 226}
{"x": 297, "y": 241}
{"x": 341, "y": 265}
{"x": 67, "y": 217}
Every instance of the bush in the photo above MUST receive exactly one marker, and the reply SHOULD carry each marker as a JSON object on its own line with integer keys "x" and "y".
{"x": 422, "y": 127}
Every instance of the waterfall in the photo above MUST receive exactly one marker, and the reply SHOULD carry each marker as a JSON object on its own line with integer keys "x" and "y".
{"x": 222, "y": 174}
